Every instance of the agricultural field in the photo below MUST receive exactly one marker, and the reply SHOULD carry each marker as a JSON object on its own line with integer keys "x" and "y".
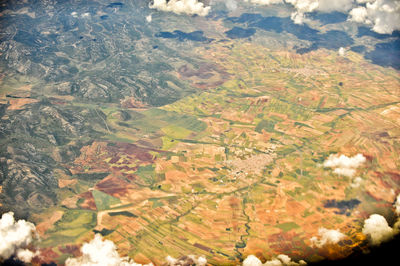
{"x": 237, "y": 170}
{"x": 178, "y": 134}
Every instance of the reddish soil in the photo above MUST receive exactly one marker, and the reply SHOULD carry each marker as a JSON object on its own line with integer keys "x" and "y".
{"x": 395, "y": 176}
{"x": 89, "y": 202}
{"x": 113, "y": 186}
{"x": 47, "y": 255}
{"x": 131, "y": 102}
{"x": 141, "y": 154}
{"x": 71, "y": 249}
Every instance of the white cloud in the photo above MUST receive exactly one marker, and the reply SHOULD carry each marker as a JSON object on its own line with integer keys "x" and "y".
{"x": 344, "y": 165}
{"x": 26, "y": 255}
{"x": 15, "y": 237}
{"x": 149, "y": 18}
{"x": 342, "y": 161}
{"x": 252, "y": 260}
{"x": 273, "y": 262}
{"x": 382, "y": 15}
{"x": 327, "y": 236}
{"x": 342, "y": 51}
{"x": 74, "y": 14}
{"x": 345, "y": 171}
{"x": 100, "y": 253}
{"x": 265, "y": 2}
{"x": 306, "y": 6}
{"x": 189, "y": 7}
{"x": 231, "y": 5}
{"x": 364, "y": 1}
{"x": 397, "y": 205}
{"x": 280, "y": 260}
{"x": 298, "y": 17}
{"x": 187, "y": 260}
{"x": 285, "y": 258}
{"x": 356, "y": 182}
{"x": 377, "y": 229}
{"x": 359, "y": 14}
{"x": 321, "y": 5}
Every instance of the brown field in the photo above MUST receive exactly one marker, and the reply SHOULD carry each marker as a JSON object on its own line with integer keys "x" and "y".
{"x": 252, "y": 182}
